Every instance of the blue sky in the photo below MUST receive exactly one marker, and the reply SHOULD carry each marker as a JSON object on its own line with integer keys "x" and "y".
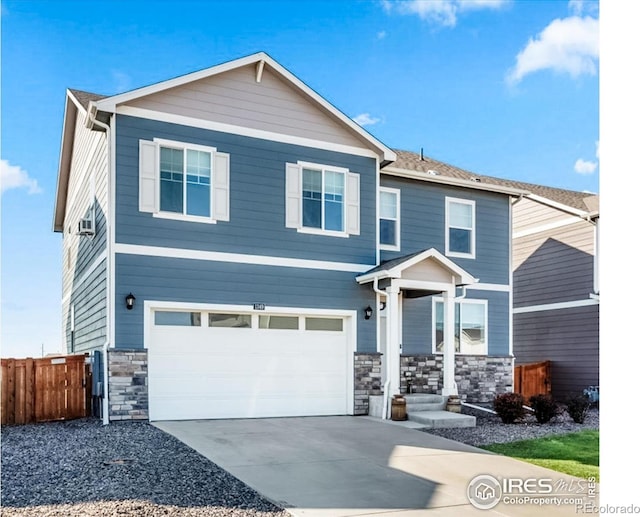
{"x": 504, "y": 88}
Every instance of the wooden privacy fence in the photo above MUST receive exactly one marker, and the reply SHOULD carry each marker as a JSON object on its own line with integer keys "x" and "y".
{"x": 41, "y": 390}
{"x": 532, "y": 379}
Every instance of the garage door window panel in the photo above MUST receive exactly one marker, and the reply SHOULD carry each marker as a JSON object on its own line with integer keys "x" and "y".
{"x": 279, "y": 322}
{"x": 178, "y": 318}
{"x": 324, "y": 324}
{"x": 227, "y": 320}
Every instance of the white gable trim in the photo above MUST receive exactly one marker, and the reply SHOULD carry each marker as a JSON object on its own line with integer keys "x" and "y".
{"x": 242, "y": 131}
{"x": 559, "y": 206}
{"x": 110, "y": 104}
{"x": 396, "y": 271}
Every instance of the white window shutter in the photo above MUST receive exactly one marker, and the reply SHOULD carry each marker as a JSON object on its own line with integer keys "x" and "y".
{"x": 353, "y": 203}
{"x": 293, "y": 215}
{"x": 220, "y": 187}
{"x": 148, "y": 195}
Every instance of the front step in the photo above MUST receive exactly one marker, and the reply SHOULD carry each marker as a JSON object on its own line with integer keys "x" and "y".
{"x": 425, "y": 402}
{"x": 442, "y": 419}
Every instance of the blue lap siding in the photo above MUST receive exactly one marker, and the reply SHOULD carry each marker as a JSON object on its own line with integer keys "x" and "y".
{"x": 257, "y": 198}
{"x": 417, "y": 335}
{"x": 422, "y": 225}
{"x": 201, "y": 281}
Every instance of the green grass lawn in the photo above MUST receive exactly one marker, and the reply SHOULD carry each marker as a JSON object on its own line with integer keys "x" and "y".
{"x": 576, "y": 454}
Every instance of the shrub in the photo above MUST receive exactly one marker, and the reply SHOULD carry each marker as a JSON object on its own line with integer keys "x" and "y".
{"x": 578, "y": 406}
{"x": 509, "y": 408}
{"x": 544, "y": 407}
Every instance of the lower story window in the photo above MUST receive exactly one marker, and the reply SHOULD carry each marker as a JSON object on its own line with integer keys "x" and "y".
{"x": 470, "y": 327}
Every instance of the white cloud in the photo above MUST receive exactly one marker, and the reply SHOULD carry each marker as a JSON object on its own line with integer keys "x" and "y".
{"x": 585, "y": 167}
{"x": 579, "y": 7}
{"x": 381, "y": 35}
{"x": 13, "y": 176}
{"x": 569, "y": 45}
{"x": 440, "y": 12}
{"x": 364, "y": 119}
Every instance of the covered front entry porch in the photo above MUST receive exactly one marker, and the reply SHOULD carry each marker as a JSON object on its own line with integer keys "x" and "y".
{"x": 424, "y": 273}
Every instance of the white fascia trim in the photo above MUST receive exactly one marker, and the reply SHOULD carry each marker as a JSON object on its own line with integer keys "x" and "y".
{"x": 239, "y": 258}
{"x": 456, "y": 182}
{"x": 557, "y": 306}
{"x": 94, "y": 265}
{"x": 112, "y": 103}
{"x": 559, "y": 206}
{"x": 546, "y": 227}
{"x": 242, "y": 131}
{"x": 503, "y": 288}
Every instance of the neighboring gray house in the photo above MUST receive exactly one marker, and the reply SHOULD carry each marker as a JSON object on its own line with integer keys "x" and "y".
{"x": 235, "y": 246}
{"x": 555, "y": 285}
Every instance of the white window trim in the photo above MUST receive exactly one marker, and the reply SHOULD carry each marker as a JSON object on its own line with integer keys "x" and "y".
{"x": 458, "y": 302}
{"x": 321, "y": 231}
{"x": 174, "y": 144}
{"x": 391, "y": 247}
{"x": 448, "y": 253}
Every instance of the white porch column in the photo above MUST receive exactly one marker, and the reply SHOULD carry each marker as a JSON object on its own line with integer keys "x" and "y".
{"x": 449, "y": 355}
{"x": 393, "y": 340}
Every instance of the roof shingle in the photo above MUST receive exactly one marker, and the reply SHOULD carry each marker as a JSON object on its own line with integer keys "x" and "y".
{"x": 585, "y": 201}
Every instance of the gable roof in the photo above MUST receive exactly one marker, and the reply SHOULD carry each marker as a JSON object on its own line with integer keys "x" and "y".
{"x": 260, "y": 59}
{"x": 393, "y": 268}
{"x": 585, "y": 203}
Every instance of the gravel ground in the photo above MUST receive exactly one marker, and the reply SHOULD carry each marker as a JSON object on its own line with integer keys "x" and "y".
{"x": 489, "y": 429}
{"x": 82, "y": 468}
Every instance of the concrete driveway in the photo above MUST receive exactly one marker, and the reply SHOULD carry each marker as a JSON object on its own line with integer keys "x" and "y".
{"x": 343, "y": 466}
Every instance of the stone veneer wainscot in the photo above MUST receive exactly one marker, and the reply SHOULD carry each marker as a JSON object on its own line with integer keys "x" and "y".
{"x": 128, "y": 387}
{"x": 479, "y": 377}
{"x": 367, "y": 380}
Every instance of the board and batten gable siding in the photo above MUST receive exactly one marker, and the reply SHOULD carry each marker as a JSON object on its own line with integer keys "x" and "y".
{"x": 257, "y": 198}
{"x": 554, "y": 265}
{"x": 569, "y": 338}
{"x": 417, "y": 315}
{"x": 84, "y": 258}
{"x": 422, "y": 226}
{"x": 234, "y": 97}
{"x": 201, "y": 281}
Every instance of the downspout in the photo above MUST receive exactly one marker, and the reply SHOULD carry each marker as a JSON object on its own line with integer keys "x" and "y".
{"x": 385, "y": 389}
{"x": 90, "y": 121}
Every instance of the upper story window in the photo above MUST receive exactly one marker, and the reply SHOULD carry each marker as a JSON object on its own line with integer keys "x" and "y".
{"x": 470, "y": 327}
{"x": 184, "y": 181}
{"x": 460, "y": 221}
{"x": 389, "y": 211}
{"x": 322, "y": 199}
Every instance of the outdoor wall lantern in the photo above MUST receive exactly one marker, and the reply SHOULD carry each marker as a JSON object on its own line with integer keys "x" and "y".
{"x": 383, "y": 305}
{"x": 129, "y": 301}
{"x": 368, "y": 312}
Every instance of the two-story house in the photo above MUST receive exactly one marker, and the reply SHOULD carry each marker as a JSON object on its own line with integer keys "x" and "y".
{"x": 236, "y": 246}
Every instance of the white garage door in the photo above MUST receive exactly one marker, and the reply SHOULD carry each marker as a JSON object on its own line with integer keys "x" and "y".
{"x": 229, "y": 364}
